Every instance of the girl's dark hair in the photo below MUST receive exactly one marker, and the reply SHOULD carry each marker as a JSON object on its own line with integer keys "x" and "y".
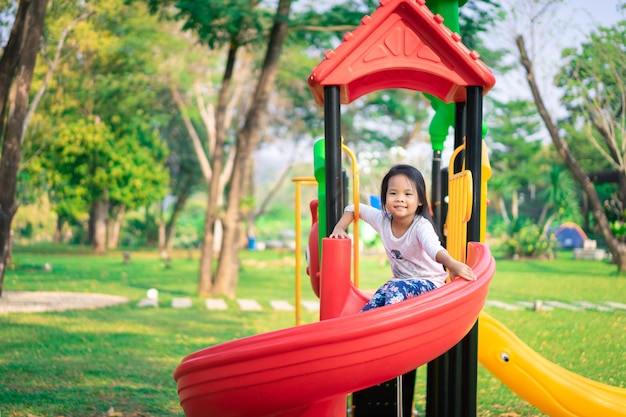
{"x": 417, "y": 179}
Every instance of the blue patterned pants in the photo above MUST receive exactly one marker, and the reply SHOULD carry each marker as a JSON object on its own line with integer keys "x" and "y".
{"x": 395, "y": 291}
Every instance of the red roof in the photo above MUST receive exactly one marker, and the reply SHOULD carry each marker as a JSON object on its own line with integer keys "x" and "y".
{"x": 401, "y": 45}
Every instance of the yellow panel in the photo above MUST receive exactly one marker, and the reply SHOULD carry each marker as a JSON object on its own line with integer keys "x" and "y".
{"x": 459, "y": 213}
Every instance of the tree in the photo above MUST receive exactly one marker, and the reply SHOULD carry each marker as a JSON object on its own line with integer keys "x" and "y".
{"x": 247, "y": 140}
{"x": 594, "y": 81}
{"x": 62, "y": 19}
{"x": 107, "y": 98}
{"x": 16, "y": 73}
{"x": 234, "y": 26}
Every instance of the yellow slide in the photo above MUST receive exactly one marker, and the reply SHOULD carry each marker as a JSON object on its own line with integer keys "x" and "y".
{"x": 552, "y": 389}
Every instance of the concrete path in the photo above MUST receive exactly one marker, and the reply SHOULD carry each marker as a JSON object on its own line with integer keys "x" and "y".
{"x": 41, "y": 301}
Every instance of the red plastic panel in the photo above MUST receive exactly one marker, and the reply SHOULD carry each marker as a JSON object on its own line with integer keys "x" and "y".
{"x": 401, "y": 45}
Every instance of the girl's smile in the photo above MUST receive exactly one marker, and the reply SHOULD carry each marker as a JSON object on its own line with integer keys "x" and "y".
{"x": 402, "y": 200}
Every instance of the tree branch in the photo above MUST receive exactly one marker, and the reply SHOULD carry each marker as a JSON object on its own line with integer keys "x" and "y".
{"x": 51, "y": 70}
{"x": 338, "y": 28}
{"x": 205, "y": 166}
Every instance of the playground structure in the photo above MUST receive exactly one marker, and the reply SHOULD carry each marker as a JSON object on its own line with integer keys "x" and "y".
{"x": 404, "y": 45}
{"x": 308, "y": 370}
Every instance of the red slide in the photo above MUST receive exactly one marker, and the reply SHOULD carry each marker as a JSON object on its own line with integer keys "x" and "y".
{"x": 308, "y": 370}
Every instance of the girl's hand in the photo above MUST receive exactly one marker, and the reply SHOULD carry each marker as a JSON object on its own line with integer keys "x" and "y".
{"x": 456, "y": 268}
{"x": 461, "y": 270}
{"x": 339, "y": 233}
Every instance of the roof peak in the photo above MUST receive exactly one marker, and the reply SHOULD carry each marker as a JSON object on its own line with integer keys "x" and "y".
{"x": 401, "y": 45}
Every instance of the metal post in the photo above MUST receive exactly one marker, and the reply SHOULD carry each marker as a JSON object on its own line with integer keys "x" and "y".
{"x": 399, "y": 399}
{"x": 469, "y": 345}
{"x": 332, "y": 131}
{"x": 436, "y": 188}
{"x": 455, "y": 358}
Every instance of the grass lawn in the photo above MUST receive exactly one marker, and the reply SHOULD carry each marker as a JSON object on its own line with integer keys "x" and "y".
{"x": 85, "y": 362}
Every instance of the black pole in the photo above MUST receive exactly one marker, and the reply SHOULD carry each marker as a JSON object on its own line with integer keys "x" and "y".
{"x": 474, "y": 156}
{"x": 474, "y": 164}
{"x": 435, "y": 198}
{"x": 443, "y": 382}
{"x": 332, "y": 147}
{"x": 460, "y": 130}
{"x": 454, "y": 355}
{"x": 437, "y": 369}
{"x": 444, "y": 174}
{"x": 437, "y": 386}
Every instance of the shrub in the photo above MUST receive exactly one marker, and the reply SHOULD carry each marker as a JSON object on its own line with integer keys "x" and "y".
{"x": 528, "y": 241}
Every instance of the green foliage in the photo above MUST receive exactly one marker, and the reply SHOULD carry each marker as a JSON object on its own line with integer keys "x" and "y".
{"x": 597, "y": 66}
{"x": 561, "y": 195}
{"x": 526, "y": 240}
{"x": 219, "y": 23}
{"x": 91, "y": 162}
{"x": 323, "y": 30}
{"x": 618, "y": 228}
{"x": 515, "y": 153}
{"x": 80, "y": 156}
{"x": 514, "y": 141}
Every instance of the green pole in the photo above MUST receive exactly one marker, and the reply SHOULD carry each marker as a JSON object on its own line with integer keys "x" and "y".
{"x": 319, "y": 166}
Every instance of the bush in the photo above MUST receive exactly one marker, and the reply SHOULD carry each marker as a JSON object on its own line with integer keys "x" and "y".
{"x": 528, "y": 241}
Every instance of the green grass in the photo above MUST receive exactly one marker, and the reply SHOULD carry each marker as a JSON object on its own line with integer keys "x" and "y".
{"x": 83, "y": 362}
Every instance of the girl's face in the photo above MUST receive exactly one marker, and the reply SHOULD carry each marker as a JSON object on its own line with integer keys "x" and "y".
{"x": 401, "y": 199}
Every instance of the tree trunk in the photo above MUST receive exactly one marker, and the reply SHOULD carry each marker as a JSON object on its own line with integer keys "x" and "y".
{"x": 515, "y": 205}
{"x": 16, "y": 73}
{"x": 9, "y": 258}
{"x": 503, "y": 212}
{"x": 115, "y": 230}
{"x": 227, "y": 273}
{"x": 161, "y": 233}
{"x": 205, "y": 281}
{"x": 617, "y": 249}
{"x": 98, "y": 222}
{"x": 246, "y": 226}
{"x": 170, "y": 226}
{"x": 58, "y": 230}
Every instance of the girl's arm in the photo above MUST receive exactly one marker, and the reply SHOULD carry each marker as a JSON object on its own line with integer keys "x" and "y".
{"x": 456, "y": 268}
{"x": 339, "y": 232}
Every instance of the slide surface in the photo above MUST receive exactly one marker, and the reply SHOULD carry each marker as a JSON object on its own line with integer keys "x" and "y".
{"x": 552, "y": 389}
{"x": 308, "y": 370}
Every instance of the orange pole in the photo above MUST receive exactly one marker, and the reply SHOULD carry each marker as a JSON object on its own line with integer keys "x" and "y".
{"x": 300, "y": 181}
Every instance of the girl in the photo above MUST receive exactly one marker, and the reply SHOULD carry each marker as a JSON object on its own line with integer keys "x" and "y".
{"x": 409, "y": 237}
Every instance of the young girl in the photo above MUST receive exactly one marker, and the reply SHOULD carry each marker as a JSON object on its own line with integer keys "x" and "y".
{"x": 409, "y": 237}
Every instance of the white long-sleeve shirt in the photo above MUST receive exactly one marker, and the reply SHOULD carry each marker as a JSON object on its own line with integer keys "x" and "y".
{"x": 412, "y": 255}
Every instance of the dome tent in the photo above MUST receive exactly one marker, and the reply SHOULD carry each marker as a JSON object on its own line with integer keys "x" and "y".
{"x": 570, "y": 235}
